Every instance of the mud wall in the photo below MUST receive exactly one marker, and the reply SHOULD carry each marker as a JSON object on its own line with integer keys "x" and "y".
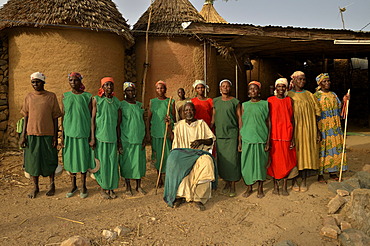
{"x": 4, "y": 108}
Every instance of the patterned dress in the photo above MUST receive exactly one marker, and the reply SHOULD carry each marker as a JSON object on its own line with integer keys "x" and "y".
{"x": 332, "y": 136}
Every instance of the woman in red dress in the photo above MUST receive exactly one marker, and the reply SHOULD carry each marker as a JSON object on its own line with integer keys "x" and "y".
{"x": 282, "y": 153}
{"x": 203, "y": 105}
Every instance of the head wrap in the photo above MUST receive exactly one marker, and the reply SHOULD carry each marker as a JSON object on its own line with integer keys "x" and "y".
{"x": 200, "y": 82}
{"x": 294, "y": 76}
{"x": 79, "y": 76}
{"x": 281, "y": 81}
{"x": 320, "y": 78}
{"x": 225, "y": 80}
{"x": 102, "y": 82}
{"x": 127, "y": 85}
{"x": 255, "y": 83}
{"x": 161, "y": 82}
{"x": 38, "y": 75}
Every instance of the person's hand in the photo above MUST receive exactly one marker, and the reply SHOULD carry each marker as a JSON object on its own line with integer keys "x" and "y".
{"x": 346, "y": 97}
{"x": 292, "y": 144}
{"x": 54, "y": 143}
{"x": 267, "y": 146}
{"x": 92, "y": 143}
{"x": 240, "y": 147}
{"x": 196, "y": 144}
{"x": 119, "y": 147}
{"x": 167, "y": 119}
{"x": 23, "y": 141}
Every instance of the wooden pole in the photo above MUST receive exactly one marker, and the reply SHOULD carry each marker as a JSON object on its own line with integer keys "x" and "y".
{"x": 344, "y": 139}
{"x": 164, "y": 146}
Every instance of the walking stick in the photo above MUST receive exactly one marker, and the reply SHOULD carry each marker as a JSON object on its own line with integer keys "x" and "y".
{"x": 164, "y": 146}
{"x": 344, "y": 139}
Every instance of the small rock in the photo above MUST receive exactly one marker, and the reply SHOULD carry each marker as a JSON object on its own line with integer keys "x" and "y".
{"x": 76, "y": 241}
{"x": 358, "y": 210}
{"x": 338, "y": 218}
{"x": 364, "y": 179}
{"x": 328, "y": 231}
{"x": 344, "y": 225}
{"x": 342, "y": 192}
{"x": 335, "y": 204}
{"x": 286, "y": 243}
{"x": 334, "y": 186}
{"x": 329, "y": 221}
{"x": 352, "y": 237}
{"x": 122, "y": 231}
{"x": 353, "y": 181}
{"x": 366, "y": 168}
{"x": 110, "y": 235}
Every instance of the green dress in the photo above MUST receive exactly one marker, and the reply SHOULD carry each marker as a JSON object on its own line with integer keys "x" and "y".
{"x": 159, "y": 110}
{"x": 227, "y": 131}
{"x": 254, "y": 134}
{"x": 76, "y": 127}
{"x": 133, "y": 159}
{"x": 106, "y": 142}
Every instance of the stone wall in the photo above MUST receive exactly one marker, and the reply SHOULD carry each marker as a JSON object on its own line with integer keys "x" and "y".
{"x": 4, "y": 108}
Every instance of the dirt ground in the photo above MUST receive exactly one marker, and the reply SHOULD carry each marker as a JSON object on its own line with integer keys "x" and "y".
{"x": 226, "y": 221}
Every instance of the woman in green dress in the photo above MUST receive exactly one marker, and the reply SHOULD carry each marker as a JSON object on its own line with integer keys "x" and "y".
{"x": 106, "y": 136}
{"x": 76, "y": 126}
{"x": 132, "y": 159}
{"x": 226, "y": 118}
{"x": 156, "y": 125}
{"x": 254, "y": 139}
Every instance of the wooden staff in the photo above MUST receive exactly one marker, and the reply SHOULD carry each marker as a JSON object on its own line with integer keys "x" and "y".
{"x": 344, "y": 138}
{"x": 164, "y": 145}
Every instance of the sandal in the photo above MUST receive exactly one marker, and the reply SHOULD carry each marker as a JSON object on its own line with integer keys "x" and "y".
{"x": 70, "y": 194}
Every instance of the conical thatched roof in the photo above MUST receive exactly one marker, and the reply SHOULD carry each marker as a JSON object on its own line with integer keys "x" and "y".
{"x": 210, "y": 14}
{"x": 98, "y": 15}
{"x": 167, "y": 16}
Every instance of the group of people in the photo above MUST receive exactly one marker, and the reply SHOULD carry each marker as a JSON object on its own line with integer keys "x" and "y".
{"x": 293, "y": 134}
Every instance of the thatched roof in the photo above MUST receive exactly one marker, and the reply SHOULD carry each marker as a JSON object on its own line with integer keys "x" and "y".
{"x": 210, "y": 14}
{"x": 97, "y": 15}
{"x": 167, "y": 16}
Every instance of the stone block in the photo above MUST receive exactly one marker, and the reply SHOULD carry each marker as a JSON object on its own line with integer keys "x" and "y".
{"x": 334, "y": 186}
{"x": 109, "y": 235}
{"x": 353, "y": 237}
{"x": 328, "y": 231}
{"x": 286, "y": 243}
{"x": 3, "y": 125}
{"x": 338, "y": 218}
{"x": 366, "y": 168}
{"x": 335, "y": 204}
{"x": 329, "y": 221}
{"x": 3, "y": 62}
{"x": 2, "y": 108}
{"x": 358, "y": 210}
{"x": 342, "y": 193}
{"x": 122, "y": 231}
{"x": 344, "y": 225}
{"x": 3, "y": 116}
{"x": 353, "y": 181}
{"x": 364, "y": 179}
{"x": 3, "y": 102}
{"x": 3, "y": 89}
{"x": 76, "y": 241}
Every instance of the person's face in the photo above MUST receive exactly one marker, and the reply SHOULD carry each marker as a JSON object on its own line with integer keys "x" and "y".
{"x": 253, "y": 91}
{"x": 200, "y": 89}
{"x": 37, "y": 84}
{"x": 280, "y": 89}
{"x": 325, "y": 84}
{"x": 225, "y": 88}
{"x": 130, "y": 92}
{"x": 300, "y": 81}
{"x": 108, "y": 88}
{"x": 189, "y": 112}
{"x": 75, "y": 83}
{"x": 161, "y": 89}
{"x": 181, "y": 93}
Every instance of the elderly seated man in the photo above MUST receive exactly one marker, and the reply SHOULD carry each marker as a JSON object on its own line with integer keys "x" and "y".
{"x": 190, "y": 167}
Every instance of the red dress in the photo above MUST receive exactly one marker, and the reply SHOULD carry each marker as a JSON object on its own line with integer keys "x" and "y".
{"x": 203, "y": 109}
{"x": 283, "y": 159}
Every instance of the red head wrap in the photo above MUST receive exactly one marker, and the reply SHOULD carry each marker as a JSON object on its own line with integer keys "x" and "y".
{"x": 80, "y": 77}
{"x": 255, "y": 83}
{"x": 102, "y": 82}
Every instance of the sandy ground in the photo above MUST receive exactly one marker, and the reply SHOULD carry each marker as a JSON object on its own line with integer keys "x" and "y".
{"x": 226, "y": 221}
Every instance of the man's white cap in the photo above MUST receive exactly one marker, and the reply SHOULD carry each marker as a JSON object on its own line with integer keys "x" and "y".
{"x": 38, "y": 75}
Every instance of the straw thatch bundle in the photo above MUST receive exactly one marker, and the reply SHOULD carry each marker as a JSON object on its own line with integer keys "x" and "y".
{"x": 210, "y": 14}
{"x": 98, "y": 15}
{"x": 167, "y": 16}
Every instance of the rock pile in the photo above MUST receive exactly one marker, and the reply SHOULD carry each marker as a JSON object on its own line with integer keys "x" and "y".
{"x": 4, "y": 107}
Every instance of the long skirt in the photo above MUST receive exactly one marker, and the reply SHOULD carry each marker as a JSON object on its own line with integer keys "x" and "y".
{"x": 157, "y": 146}
{"x": 253, "y": 162}
{"x": 40, "y": 157}
{"x": 132, "y": 161}
{"x": 228, "y": 159}
{"x": 76, "y": 155}
{"x": 108, "y": 175}
{"x": 283, "y": 159}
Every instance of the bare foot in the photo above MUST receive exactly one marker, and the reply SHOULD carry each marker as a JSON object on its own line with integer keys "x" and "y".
{"x": 276, "y": 192}
{"x": 178, "y": 202}
{"x": 247, "y": 193}
{"x": 303, "y": 188}
{"x": 34, "y": 193}
{"x": 112, "y": 194}
{"x": 128, "y": 192}
{"x": 200, "y": 206}
{"x": 104, "y": 194}
{"x": 140, "y": 190}
{"x": 295, "y": 187}
{"x": 285, "y": 192}
{"x": 51, "y": 191}
{"x": 260, "y": 194}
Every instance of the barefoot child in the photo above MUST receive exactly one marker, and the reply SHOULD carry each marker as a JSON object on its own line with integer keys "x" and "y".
{"x": 282, "y": 153}
{"x": 132, "y": 158}
{"x": 254, "y": 139}
{"x": 76, "y": 125}
{"x": 156, "y": 125}
{"x": 40, "y": 133}
{"x": 105, "y": 137}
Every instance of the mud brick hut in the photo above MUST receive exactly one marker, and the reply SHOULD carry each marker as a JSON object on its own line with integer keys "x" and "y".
{"x": 57, "y": 37}
{"x": 164, "y": 51}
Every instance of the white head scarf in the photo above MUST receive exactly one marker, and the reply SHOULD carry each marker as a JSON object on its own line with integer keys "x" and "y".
{"x": 281, "y": 81}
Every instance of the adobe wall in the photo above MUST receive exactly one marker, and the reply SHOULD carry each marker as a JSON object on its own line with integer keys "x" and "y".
{"x": 179, "y": 61}
{"x": 57, "y": 52}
